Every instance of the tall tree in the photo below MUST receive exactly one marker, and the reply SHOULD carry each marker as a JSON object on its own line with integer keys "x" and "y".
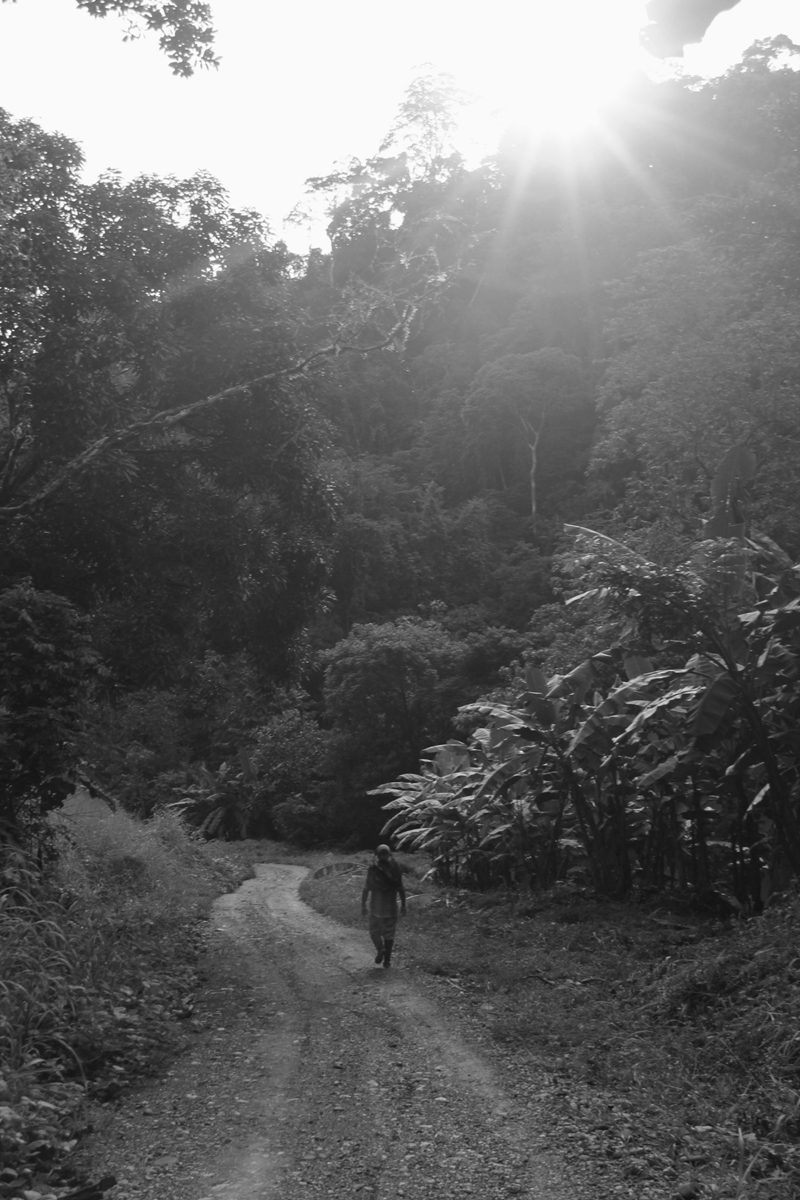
{"x": 407, "y": 211}
{"x": 513, "y": 402}
{"x": 160, "y": 445}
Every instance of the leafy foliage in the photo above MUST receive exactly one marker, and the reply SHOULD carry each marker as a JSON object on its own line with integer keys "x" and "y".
{"x": 300, "y": 822}
{"x": 686, "y": 775}
{"x": 219, "y": 803}
{"x": 235, "y": 462}
{"x": 45, "y": 664}
{"x": 184, "y": 28}
{"x": 98, "y": 959}
{"x": 709, "y": 363}
{"x": 291, "y": 754}
{"x": 125, "y": 306}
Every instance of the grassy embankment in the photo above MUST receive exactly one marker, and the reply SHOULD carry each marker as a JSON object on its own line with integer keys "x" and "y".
{"x": 97, "y": 970}
{"x": 665, "y": 1045}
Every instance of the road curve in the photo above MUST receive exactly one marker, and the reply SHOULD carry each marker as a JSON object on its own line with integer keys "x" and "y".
{"x": 319, "y": 1075}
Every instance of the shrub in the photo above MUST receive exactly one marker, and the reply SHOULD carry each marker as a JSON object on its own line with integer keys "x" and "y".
{"x": 149, "y": 743}
{"x": 298, "y": 821}
{"x": 219, "y": 803}
{"x": 137, "y": 742}
{"x": 687, "y": 775}
{"x": 45, "y": 663}
{"x": 291, "y": 754}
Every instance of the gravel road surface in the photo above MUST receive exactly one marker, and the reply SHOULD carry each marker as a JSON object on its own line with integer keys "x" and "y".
{"x": 316, "y": 1074}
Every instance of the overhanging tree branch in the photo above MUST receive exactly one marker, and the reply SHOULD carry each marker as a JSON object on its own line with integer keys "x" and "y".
{"x": 169, "y": 417}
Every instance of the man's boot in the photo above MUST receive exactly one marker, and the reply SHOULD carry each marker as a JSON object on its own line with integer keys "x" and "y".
{"x": 387, "y": 953}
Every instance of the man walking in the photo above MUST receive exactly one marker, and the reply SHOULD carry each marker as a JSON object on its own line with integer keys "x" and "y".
{"x": 384, "y": 883}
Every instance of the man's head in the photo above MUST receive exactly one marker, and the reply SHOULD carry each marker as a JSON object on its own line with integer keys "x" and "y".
{"x": 383, "y": 852}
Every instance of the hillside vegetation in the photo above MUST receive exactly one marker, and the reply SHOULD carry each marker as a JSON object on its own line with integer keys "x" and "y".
{"x": 99, "y": 968}
{"x": 271, "y": 520}
{"x": 478, "y": 530}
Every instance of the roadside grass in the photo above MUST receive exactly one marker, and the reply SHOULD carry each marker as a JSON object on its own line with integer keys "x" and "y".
{"x": 97, "y": 970}
{"x": 661, "y": 1044}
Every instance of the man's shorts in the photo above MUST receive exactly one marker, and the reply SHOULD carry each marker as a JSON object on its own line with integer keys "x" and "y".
{"x": 383, "y": 927}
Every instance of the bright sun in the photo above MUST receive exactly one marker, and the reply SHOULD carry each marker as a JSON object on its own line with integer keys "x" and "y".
{"x": 562, "y": 65}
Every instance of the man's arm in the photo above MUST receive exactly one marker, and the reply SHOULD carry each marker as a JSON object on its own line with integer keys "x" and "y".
{"x": 364, "y": 898}
{"x": 402, "y": 892}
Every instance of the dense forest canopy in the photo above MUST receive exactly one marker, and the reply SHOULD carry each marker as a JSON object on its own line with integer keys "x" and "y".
{"x": 291, "y": 512}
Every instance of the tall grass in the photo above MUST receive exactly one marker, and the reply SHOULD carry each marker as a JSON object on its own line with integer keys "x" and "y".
{"x": 96, "y": 960}
{"x": 38, "y": 985}
{"x": 141, "y": 871}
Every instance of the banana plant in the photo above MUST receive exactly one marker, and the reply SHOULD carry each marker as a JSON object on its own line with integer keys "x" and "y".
{"x": 220, "y": 803}
{"x": 669, "y": 759}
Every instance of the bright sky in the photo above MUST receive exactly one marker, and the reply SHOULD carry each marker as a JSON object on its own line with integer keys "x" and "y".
{"x": 304, "y": 83}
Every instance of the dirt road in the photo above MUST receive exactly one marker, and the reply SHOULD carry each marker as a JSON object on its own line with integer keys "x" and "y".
{"x": 317, "y": 1074}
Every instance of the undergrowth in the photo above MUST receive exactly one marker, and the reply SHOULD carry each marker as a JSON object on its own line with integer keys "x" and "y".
{"x": 98, "y": 967}
{"x": 663, "y": 1044}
